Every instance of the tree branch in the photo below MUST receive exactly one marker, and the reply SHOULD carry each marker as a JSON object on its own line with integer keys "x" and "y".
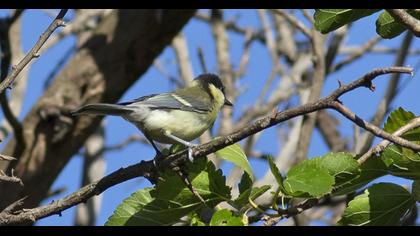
{"x": 406, "y": 19}
{"x": 33, "y": 53}
{"x": 414, "y": 123}
{"x": 295, "y": 22}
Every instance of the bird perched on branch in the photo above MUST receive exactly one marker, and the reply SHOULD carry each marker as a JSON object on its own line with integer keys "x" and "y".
{"x": 175, "y": 117}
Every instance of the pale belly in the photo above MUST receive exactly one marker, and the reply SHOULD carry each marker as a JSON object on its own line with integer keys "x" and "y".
{"x": 184, "y": 126}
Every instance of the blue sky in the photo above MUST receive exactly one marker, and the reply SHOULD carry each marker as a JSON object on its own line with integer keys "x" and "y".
{"x": 362, "y": 101}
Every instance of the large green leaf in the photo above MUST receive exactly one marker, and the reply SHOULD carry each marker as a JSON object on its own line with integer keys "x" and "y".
{"x": 225, "y": 217}
{"x": 308, "y": 178}
{"x": 333, "y": 169}
{"x": 380, "y": 204}
{"x": 327, "y": 20}
{"x": 387, "y": 27}
{"x": 171, "y": 199}
{"x": 236, "y": 155}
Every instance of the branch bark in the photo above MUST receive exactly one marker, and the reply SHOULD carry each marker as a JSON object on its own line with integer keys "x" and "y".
{"x": 406, "y": 19}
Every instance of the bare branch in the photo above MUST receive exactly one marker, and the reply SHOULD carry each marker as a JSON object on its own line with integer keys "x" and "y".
{"x": 94, "y": 166}
{"x": 365, "y": 140}
{"x": 6, "y": 158}
{"x": 9, "y": 209}
{"x": 372, "y": 128}
{"x": 225, "y": 68}
{"x": 11, "y": 179}
{"x": 360, "y": 51}
{"x": 81, "y": 23}
{"x": 58, "y": 22}
{"x": 200, "y": 54}
{"x": 231, "y": 25}
{"x": 295, "y": 22}
{"x": 406, "y": 19}
{"x": 9, "y": 37}
{"x": 327, "y": 125}
{"x": 308, "y": 124}
{"x": 414, "y": 123}
{"x": 185, "y": 69}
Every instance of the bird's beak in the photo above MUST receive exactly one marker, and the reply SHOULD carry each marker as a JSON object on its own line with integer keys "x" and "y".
{"x": 227, "y": 102}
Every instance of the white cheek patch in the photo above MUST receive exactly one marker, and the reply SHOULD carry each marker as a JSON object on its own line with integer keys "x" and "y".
{"x": 181, "y": 100}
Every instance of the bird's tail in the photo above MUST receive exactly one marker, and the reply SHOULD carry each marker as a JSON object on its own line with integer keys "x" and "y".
{"x": 101, "y": 109}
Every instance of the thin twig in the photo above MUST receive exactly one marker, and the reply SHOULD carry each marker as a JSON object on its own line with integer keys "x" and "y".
{"x": 33, "y": 53}
{"x": 294, "y": 21}
{"x": 414, "y": 123}
{"x": 360, "y": 51}
{"x": 200, "y": 54}
{"x": 11, "y": 179}
{"x": 308, "y": 124}
{"x": 372, "y": 128}
{"x": 366, "y": 139}
{"x": 6, "y": 158}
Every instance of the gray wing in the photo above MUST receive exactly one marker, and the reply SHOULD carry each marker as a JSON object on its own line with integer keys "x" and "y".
{"x": 170, "y": 101}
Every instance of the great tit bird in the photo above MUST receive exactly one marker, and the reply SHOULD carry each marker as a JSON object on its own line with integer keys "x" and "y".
{"x": 175, "y": 117}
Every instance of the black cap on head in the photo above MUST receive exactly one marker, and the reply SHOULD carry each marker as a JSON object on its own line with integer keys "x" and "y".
{"x": 209, "y": 78}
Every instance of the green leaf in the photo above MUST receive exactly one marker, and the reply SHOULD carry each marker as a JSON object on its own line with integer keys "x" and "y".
{"x": 171, "y": 199}
{"x": 341, "y": 165}
{"x": 387, "y": 27}
{"x": 308, "y": 178}
{"x": 225, "y": 217}
{"x": 381, "y": 204}
{"x": 236, "y": 155}
{"x": 371, "y": 169}
{"x": 415, "y": 190}
{"x": 245, "y": 184}
{"x": 277, "y": 175}
{"x": 402, "y": 162}
{"x": 327, "y": 20}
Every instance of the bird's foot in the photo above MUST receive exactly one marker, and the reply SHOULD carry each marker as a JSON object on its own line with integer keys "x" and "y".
{"x": 190, "y": 153}
{"x": 159, "y": 155}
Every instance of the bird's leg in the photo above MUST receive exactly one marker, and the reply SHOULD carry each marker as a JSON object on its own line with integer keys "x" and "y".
{"x": 181, "y": 172}
{"x": 158, "y": 152}
{"x": 181, "y": 141}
